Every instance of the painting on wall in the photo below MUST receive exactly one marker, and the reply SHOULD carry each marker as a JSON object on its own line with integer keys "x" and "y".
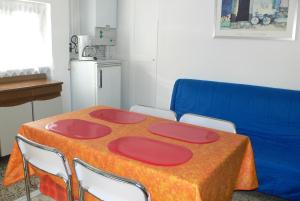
{"x": 266, "y": 19}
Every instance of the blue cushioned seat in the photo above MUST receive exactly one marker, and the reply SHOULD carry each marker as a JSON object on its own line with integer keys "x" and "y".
{"x": 269, "y": 116}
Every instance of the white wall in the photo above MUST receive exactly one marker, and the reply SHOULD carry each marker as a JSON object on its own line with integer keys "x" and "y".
{"x": 186, "y": 49}
{"x": 60, "y": 46}
{"x": 125, "y": 24}
{"x": 60, "y": 34}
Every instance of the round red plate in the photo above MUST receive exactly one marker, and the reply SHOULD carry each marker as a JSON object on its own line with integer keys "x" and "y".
{"x": 79, "y": 129}
{"x": 118, "y": 116}
{"x": 183, "y": 132}
{"x": 150, "y": 151}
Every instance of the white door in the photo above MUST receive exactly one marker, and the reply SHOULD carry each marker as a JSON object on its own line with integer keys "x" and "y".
{"x": 47, "y": 108}
{"x": 144, "y": 51}
{"x": 109, "y": 86}
{"x": 11, "y": 120}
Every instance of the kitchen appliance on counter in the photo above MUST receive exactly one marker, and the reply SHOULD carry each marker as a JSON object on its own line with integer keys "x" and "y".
{"x": 84, "y": 47}
{"x": 95, "y": 83}
{"x": 89, "y": 53}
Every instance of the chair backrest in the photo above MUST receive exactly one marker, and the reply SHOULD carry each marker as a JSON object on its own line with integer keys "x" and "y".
{"x": 45, "y": 158}
{"x": 165, "y": 114}
{"x": 106, "y": 186}
{"x": 208, "y": 122}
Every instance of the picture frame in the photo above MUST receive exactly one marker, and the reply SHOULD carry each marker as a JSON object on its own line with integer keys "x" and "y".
{"x": 256, "y": 19}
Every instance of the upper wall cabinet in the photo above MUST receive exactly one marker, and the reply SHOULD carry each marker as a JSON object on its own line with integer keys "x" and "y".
{"x": 106, "y": 13}
{"x": 97, "y": 13}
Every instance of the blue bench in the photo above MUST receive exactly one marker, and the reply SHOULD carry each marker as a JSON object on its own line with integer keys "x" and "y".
{"x": 269, "y": 116}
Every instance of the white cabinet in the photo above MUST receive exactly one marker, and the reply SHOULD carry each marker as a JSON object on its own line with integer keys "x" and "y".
{"x": 97, "y": 13}
{"x": 95, "y": 83}
{"x": 47, "y": 108}
{"x": 110, "y": 86}
{"x": 106, "y": 13}
{"x": 11, "y": 120}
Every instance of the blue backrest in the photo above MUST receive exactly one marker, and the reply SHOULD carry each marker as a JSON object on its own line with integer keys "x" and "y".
{"x": 268, "y": 113}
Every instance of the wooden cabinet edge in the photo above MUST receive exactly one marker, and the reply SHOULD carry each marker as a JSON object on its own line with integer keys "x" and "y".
{"x": 20, "y": 96}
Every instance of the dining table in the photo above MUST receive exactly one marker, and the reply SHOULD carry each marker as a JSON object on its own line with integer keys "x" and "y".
{"x": 194, "y": 171}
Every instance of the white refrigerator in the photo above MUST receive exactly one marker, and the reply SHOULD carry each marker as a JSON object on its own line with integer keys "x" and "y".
{"x": 95, "y": 83}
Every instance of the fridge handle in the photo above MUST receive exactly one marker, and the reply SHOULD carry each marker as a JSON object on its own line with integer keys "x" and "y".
{"x": 100, "y": 81}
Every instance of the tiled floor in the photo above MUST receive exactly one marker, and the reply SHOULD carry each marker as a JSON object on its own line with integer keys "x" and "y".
{"x": 17, "y": 192}
{"x": 253, "y": 196}
{"x": 36, "y": 196}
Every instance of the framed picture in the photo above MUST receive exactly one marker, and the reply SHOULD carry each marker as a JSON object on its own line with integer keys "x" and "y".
{"x": 265, "y": 19}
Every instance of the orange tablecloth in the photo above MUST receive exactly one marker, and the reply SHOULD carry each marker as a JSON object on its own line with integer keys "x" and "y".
{"x": 212, "y": 174}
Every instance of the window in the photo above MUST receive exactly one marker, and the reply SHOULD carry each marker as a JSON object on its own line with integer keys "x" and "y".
{"x": 25, "y": 36}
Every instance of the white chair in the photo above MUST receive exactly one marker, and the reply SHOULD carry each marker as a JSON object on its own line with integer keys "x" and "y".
{"x": 165, "y": 114}
{"x": 106, "y": 186}
{"x": 208, "y": 122}
{"x": 46, "y": 159}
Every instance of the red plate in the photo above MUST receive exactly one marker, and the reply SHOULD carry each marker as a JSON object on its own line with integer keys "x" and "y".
{"x": 183, "y": 132}
{"x": 118, "y": 116}
{"x": 79, "y": 129}
{"x": 150, "y": 151}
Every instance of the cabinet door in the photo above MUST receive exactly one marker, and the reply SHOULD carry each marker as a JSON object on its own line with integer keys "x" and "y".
{"x": 106, "y": 13}
{"x": 87, "y": 9}
{"x": 47, "y": 108}
{"x": 11, "y": 120}
{"x": 109, "y": 92}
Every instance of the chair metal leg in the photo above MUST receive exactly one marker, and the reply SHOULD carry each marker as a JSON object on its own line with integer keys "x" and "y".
{"x": 69, "y": 189}
{"x": 81, "y": 193}
{"x": 27, "y": 179}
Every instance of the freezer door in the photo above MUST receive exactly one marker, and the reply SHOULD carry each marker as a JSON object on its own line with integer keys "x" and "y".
{"x": 109, "y": 86}
{"x": 83, "y": 84}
